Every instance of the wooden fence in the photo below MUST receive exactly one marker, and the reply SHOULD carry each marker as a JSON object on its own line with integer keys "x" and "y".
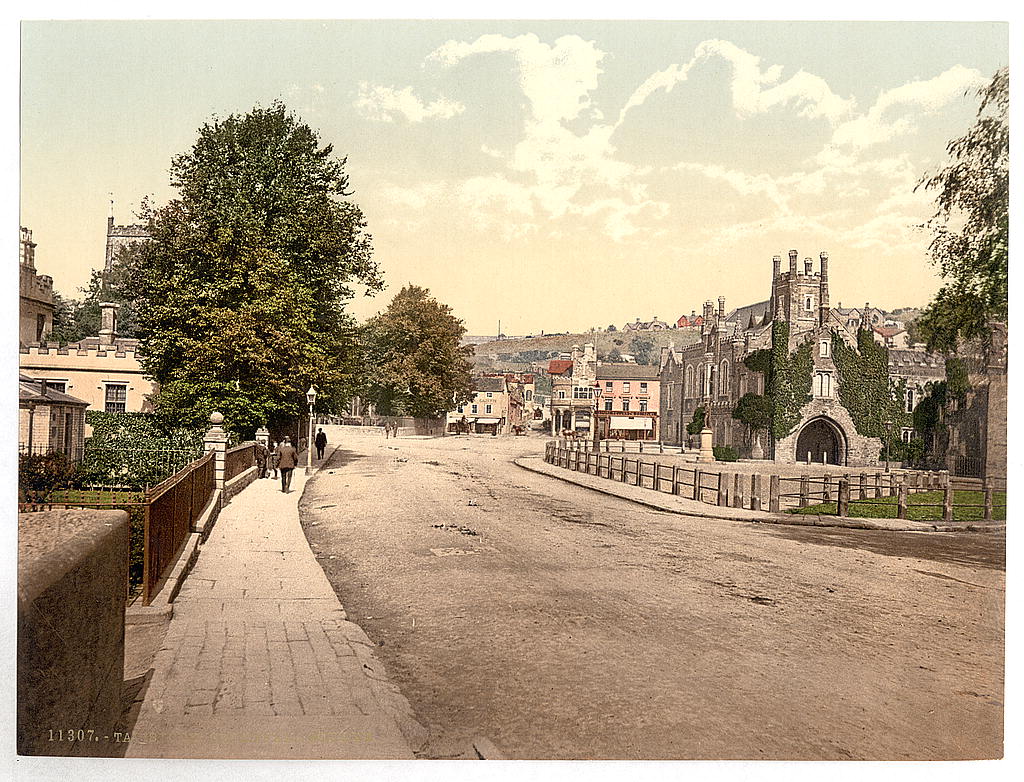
{"x": 775, "y": 493}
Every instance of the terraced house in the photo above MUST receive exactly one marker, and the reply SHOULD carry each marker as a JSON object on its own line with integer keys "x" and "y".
{"x": 834, "y": 395}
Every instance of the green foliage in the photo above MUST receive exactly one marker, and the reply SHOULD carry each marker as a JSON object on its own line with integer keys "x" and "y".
{"x": 40, "y": 474}
{"x": 643, "y": 351}
{"x": 697, "y": 422}
{"x": 759, "y": 361}
{"x": 725, "y": 453}
{"x": 614, "y": 356}
{"x": 414, "y": 364}
{"x": 754, "y": 411}
{"x": 970, "y": 228}
{"x": 956, "y": 378}
{"x": 867, "y": 392}
{"x": 242, "y": 290}
{"x": 921, "y": 506}
{"x": 76, "y": 319}
{"x": 136, "y": 449}
{"x": 788, "y": 382}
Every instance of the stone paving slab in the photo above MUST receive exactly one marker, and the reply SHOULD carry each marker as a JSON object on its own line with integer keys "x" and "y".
{"x": 259, "y": 660}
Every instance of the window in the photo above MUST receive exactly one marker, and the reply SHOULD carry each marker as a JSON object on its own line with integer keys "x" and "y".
{"x": 688, "y": 389}
{"x": 910, "y": 400}
{"x": 625, "y": 405}
{"x": 823, "y": 348}
{"x": 57, "y": 385}
{"x": 608, "y": 385}
{"x": 808, "y": 303}
{"x": 40, "y": 327}
{"x": 474, "y": 408}
{"x": 625, "y": 386}
{"x": 723, "y": 385}
{"x": 529, "y": 395}
{"x": 487, "y": 409}
{"x": 489, "y": 394}
{"x": 907, "y": 434}
{"x": 116, "y": 396}
{"x": 643, "y": 388}
{"x": 643, "y": 405}
{"x": 607, "y": 404}
{"x": 823, "y": 384}
{"x": 561, "y": 394}
{"x": 461, "y": 408}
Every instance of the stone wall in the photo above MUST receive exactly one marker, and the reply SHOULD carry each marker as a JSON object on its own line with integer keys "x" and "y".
{"x": 72, "y": 583}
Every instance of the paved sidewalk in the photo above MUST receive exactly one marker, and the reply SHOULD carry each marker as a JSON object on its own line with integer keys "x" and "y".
{"x": 259, "y": 660}
{"x": 689, "y": 507}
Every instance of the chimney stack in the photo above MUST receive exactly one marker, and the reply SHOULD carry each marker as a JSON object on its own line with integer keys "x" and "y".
{"x": 823, "y": 304}
{"x": 824, "y": 264}
{"x": 808, "y": 265}
{"x": 792, "y": 263}
{"x": 721, "y": 306}
{"x": 108, "y": 322}
{"x": 776, "y": 265}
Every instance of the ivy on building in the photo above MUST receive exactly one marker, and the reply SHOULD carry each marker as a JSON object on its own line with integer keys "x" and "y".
{"x": 867, "y": 392}
{"x": 788, "y": 382}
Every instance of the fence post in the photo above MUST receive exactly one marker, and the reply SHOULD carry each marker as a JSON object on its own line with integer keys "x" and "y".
{"x": 803, "y": 491}
{"x": 988, "y": 499}
{"x": 638, "y": 467}
{"x": 893, "y": 484}
{"x": 878, "y": 485}
{"x": 826, "y": 488}
{"x": 843, "y": 503}
{"x": 756, "y": 486}
{"x": 901, "y": 501}
{"x": 696, "y": 484}
{"x": 216, "y": 440}
{"x": 862, "y": 494}
{"x": 675, "y": 479}
{"x": 723, "y": 492}
{"x": 773, "y": 493}
{"x": 737, "y": 491}
{"x": 947, "y": 502}
{"x": 641, "y": 446}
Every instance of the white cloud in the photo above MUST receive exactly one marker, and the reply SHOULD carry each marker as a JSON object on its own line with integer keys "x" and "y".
{"x": 383, "y": 104}
{"x": 896, "y": 111}
{"x": 745, "y": 184}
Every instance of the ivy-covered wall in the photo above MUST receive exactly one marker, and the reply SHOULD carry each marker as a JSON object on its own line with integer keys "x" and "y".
{"x": 788, "y": 382}
{"x": 866, "y": 390}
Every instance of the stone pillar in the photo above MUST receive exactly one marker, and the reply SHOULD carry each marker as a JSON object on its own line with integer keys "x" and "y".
{"x": 263, "y": 436}
{"x": 757, "y": 452}
{"x": 216, "y": 440}
{"x": 707, "y": 453}
{"x": 108, "y": 322}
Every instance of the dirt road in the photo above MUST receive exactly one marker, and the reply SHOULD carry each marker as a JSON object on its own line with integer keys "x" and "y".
{"x": 561, "y": 623}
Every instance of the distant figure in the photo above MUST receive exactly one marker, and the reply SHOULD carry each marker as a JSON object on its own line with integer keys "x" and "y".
{"x": 287, "y": 460}
{"x": 262, "y": 452}
{"x": 273, "y": 459}
{"x": 387, "y": 429}
{"x": 394, "y": 429}
{"x": 321, "y": 443}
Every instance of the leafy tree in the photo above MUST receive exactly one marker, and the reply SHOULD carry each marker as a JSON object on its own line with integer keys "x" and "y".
{"x": 414, "y": 363}
{"x": 970, "y": 228}
{"x": 642, "y": 349}
{"x": 611, "y": 327}
{"x": 754, "y": 411}
{"x": 614, "y": 356}
{"x": 697, "y": 422}
{"x": 241, "y": 293}
{"x": 75, "y": 319}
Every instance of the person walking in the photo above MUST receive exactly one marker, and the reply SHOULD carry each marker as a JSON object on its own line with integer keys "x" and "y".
{"x": 321, "y": 443}
{"x": 287, "y": 460}
{"x": 261, "y": 459}
{"x": 273, "y": 459}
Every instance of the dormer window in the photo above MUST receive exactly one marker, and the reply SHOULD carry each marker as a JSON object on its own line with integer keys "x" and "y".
{"x": 823, "y": 348}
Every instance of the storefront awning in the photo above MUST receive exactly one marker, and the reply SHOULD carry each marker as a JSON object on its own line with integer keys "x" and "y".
{"x": 488, "y": 420}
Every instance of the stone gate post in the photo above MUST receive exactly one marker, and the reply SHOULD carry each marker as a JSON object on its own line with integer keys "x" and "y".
{"x": 216, "y": 440}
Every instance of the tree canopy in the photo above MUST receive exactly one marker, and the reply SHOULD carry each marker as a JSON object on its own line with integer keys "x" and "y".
{"x": 414, "y": 363}
{"x": 970, "y": 228}
{"x": 241, "y": 293}
{"x": 75, "y": 319}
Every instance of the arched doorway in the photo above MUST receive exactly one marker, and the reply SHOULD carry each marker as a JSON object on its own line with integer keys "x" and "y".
{"x": 821, "y": 440}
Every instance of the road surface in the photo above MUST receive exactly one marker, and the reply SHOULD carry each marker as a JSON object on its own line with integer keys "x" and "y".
{"x": 562, "y": 623}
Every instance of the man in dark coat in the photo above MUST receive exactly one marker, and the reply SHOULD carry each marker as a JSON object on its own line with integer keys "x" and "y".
{"x": 261, "y": 459}
{"x": 321, "y": 443}
{"x": 288, "y": 460}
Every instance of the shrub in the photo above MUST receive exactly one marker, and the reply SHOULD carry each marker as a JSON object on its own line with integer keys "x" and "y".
{"x": 40, "y": 474}
{"x": 725, "y": 453}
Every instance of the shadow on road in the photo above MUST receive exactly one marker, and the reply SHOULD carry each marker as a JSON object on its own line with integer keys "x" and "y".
{"x": 970, "y": 549}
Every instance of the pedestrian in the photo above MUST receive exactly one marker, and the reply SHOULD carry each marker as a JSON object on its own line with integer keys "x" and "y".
{"x": 261, "y": 459}
{"x": 287, "y": 460}
{"x": 273, "y": 459}
{"x": 321, "y": 443}
{"x": 387, "y": 428}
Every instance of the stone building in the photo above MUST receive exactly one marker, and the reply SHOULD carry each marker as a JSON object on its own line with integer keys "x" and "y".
{"x": 713, "y": 374}
{"x": 628, "y": 406}
{"x": 36, "y": 300}
{"x": 572, "y": 390}
{"x": 487, "y": 412}
{"x": 49, "y": 420}
{"x": 121, "y": 236}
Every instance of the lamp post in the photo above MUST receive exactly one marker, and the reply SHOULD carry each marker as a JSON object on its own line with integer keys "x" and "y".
{"x": 311, "y": 398}
{"x": 888, "y": 440}
{"x": 597, "y": 431}
{"x": 31, "y": 424}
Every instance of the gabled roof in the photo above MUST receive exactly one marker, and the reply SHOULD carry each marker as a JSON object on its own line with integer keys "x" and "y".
{"x": 559, "y": 366}
{"x": 489, "y": 384}
{"x": 30, "y": 389}
{"x": 627, "y": 372}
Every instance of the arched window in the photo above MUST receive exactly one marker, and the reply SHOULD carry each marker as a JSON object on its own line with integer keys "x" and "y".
{"x": 723, "y": 378}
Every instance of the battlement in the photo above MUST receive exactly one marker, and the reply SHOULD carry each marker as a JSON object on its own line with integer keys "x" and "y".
{"x": 91, "y": 347}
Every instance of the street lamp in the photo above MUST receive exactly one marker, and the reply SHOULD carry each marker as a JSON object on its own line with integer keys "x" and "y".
{"x": 311, "y": 398}
{"x": 597, "y": 433}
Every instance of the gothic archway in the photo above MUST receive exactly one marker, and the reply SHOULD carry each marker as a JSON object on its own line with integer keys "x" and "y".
{"x": 821, "y": 440}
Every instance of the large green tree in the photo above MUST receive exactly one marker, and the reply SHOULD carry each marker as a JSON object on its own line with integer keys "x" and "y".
{"x": 414, "y": 362}
{"x": 242, "y": 291}
{"x": 970, "y": 229}
{"x": 75, "y": 319}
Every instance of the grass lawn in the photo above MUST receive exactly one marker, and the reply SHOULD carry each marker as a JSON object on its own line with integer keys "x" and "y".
{"x": 923, "y": 506}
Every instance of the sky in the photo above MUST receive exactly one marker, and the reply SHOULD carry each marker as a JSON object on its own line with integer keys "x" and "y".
{"x": 551, "y": 175}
